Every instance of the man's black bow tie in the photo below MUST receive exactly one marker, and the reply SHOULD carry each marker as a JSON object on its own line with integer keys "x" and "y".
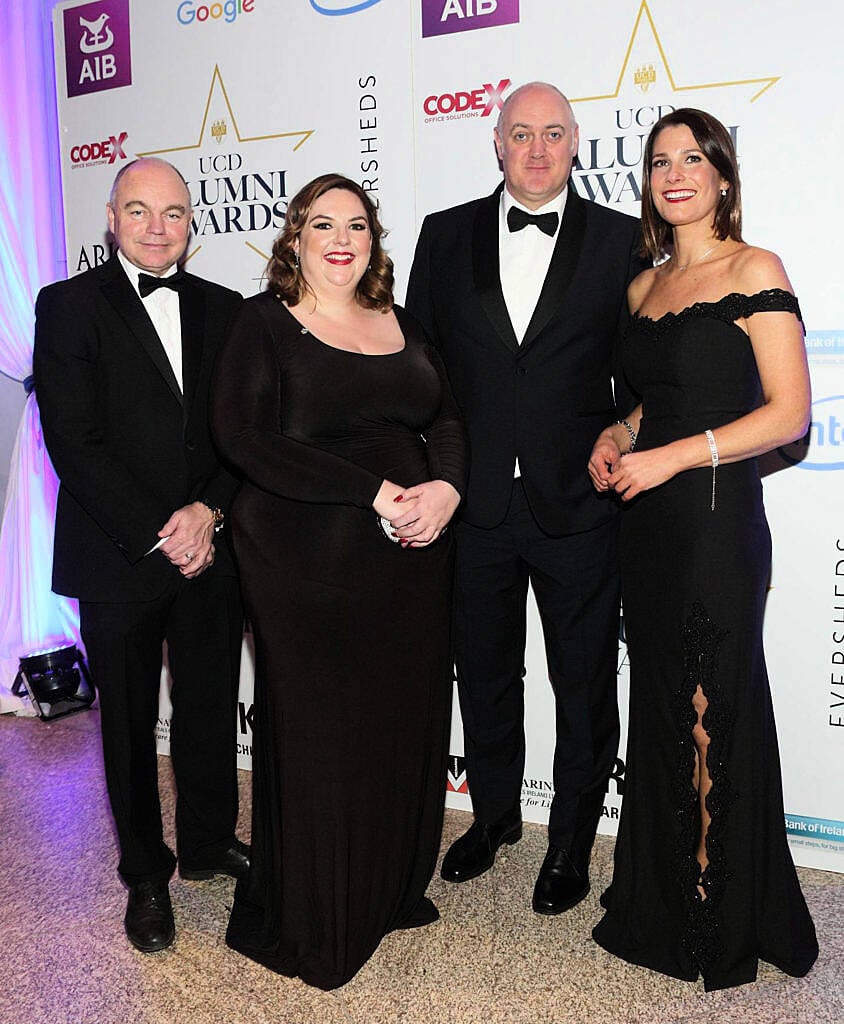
{"x": 147, "y": 283}
{"x": 518, "y": 218}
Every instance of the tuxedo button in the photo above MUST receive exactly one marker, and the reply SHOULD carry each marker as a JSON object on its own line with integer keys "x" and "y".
{"x": 190, "y": 445}
{"x": 521, "y": 371}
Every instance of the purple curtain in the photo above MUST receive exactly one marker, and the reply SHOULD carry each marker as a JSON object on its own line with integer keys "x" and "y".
{"x": 31, "y": 254}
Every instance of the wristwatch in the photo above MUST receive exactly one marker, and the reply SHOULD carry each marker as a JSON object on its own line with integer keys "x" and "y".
{"x": 216, "y": 512}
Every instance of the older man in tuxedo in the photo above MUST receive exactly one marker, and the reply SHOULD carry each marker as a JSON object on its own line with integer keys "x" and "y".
{"x": 523, "y": 293}
{"x": 123, "y": 357}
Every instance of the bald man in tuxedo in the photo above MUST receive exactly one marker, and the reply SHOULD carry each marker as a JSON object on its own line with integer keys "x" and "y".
{"x": 122, "y": 363}
{"x": 523, "y": 293}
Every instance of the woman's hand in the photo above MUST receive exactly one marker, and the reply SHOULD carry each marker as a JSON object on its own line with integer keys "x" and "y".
{"x": 424, "y": 512}
{"x": 642, "y": 471}
{"x": 385, "y": 503}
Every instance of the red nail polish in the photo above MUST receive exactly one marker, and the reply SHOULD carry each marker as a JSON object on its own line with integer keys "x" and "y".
{"x": 399, "y": 497}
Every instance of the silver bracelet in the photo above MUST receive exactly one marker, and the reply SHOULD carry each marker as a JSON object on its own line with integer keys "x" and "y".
{"x": 630, "y": 431}
{"x": 713, "y": 451}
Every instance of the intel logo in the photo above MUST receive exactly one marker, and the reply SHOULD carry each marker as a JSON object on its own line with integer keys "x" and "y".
{"x": 333, "y": 7}
{"x": 823, "y": 446}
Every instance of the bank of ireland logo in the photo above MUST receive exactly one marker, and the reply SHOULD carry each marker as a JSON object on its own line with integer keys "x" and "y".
{"x": 443, "y": 16}
{"x": 822, "y": 449}
{"x": 97, "y": 47}
{"x": 339, "y": 7}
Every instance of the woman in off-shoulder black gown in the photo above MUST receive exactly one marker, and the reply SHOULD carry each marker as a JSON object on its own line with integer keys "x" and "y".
{"x": 703, "y": 881}
{"x": 335, "y": 411}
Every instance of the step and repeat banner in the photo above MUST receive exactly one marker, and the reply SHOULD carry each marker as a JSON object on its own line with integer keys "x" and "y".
{"x": 250, "y": 99}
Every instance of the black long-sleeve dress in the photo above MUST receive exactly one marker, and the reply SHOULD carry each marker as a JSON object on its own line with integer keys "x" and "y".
{"x": 353, "y": 667}
{"x": 694, "y": 580}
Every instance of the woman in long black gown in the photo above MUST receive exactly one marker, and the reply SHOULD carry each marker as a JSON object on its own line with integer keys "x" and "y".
{"x": 703, "y": 881}
{"x": 337, "y": 412}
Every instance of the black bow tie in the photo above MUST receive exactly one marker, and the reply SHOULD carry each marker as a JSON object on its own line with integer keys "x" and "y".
{"x": 518, "y": 218}
{"x": 147, "y": 283}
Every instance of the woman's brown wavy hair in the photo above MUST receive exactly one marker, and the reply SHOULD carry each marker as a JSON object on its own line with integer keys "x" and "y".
{"x": 375, "y": 288}
{"x": 716, "y": 144}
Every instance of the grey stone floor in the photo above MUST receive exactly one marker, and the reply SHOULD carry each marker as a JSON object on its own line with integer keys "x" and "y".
{"x": 64, "y": 958}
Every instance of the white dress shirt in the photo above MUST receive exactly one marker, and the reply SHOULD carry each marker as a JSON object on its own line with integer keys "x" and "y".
{"x": 524, "y": 257}
{"x": 162, "y": 305}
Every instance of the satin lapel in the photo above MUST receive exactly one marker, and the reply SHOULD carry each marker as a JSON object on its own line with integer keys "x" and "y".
{"x": 123, "y": 297}
{"x": 192, "y": 312}
{"x": 486, "y": 270}
{"x": 562, "y": 266}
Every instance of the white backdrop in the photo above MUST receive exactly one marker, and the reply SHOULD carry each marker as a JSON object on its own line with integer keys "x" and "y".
{"x": 402, "y": 95}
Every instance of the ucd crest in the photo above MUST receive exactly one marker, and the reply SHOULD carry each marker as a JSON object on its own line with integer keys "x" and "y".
{"x": 644, "y": 76}
{"x": 218, "y": 130}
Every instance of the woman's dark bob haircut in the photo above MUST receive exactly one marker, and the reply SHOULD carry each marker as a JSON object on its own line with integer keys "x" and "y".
{"x": 375, "y": 288}
{"x": 717, "y": 146}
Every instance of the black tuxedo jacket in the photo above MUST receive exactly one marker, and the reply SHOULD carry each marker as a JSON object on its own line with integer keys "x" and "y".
{"x": 129, "y": 448}
{"x": 547, "y": 399}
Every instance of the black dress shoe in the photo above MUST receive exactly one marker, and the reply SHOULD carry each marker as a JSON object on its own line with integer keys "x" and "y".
{"x": 234, "y": 862}
{"x": 474, "y": 852}
{"x": 149, "y": 917}
{"x": 560, "y": 884}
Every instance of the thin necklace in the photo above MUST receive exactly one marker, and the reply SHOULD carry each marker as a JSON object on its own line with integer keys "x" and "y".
{"x": 702, "y": 256}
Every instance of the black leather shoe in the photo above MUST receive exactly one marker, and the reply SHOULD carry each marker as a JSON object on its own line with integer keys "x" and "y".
{"x": 149, "y": 917}
{"x": 474, "y": 852}
{"x": 234, "y": 862}
{"x": 560, "y": 884}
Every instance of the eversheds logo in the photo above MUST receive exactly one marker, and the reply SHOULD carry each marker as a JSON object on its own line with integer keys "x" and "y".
{"x": 189, "y": 12}
{"x": 823, "y": 446}
{"x": 442, "y": 16}
{"x": 335, "y": 7}
{"x": 477, "y": 103}
{"x": 92, "y": 154}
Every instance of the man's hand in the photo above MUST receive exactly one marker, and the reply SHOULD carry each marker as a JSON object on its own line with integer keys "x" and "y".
{"x": 189, "y": 532}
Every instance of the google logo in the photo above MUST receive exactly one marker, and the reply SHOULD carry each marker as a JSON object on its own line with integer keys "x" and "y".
{"x": 188, "y": 12}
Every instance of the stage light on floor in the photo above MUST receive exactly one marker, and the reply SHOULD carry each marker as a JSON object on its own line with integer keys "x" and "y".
{"x": 56, "y": 681}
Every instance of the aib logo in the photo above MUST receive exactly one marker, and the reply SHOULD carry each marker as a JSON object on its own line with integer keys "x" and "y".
{"x": 338, "y": 7}
{"x": 477, "y": 103}
{"x": 96, "y": 36}
{"x": 822, "y": 448}
{"x": 96, "y": 43}
{"x": 442, "y": 16}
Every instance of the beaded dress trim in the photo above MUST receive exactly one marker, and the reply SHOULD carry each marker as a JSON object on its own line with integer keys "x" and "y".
{"x": 730, "y": 308}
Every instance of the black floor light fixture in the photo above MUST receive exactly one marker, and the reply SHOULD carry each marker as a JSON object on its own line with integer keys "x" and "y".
{"x": 56, "y": 681}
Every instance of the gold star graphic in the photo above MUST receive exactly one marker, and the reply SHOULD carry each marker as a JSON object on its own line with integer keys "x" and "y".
{"x": 645, "y": 13}
{"x": 218, "y": 78}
